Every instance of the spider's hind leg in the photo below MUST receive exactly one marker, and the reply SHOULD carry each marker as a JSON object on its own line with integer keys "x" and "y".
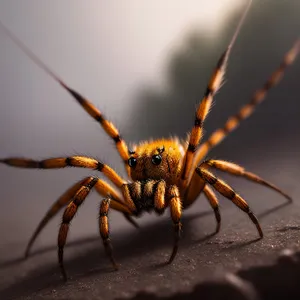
{"x": 196, "y": 186}
{"x": 237, "y": 170}
{"x": 214, "y": 203}
{"x": 224, "y": 189}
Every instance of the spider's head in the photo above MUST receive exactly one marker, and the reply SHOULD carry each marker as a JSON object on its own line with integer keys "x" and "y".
{"x": 159, "y": 159}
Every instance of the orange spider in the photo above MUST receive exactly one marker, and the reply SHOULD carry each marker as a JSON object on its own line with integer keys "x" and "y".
{"x": 164, "y": 173}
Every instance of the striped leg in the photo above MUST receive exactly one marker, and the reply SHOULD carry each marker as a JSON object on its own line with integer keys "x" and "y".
{"x": 234, "y": 121}
{"x": 204, "y": 107}
{"x": 196, "y": 186}
{"x": 224, "y": 189}
{"x": 214, "y": 203}
{"x": 68, "y": 215}
{"x": 106, "y": 204}
{"x": 109, "y": 128}
{"x": 102, "y": 188}
{"x": 175, "y": 208}
{"x": 237, "y": 170}
{"x": 72, "y": 208}
{"x": 62, "y": 162}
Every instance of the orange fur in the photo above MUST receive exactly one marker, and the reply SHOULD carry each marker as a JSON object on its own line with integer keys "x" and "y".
{"x": 170, "y": 167}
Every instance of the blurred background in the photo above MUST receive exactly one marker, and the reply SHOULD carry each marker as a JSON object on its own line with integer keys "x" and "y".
{"x": 145, "y": 65}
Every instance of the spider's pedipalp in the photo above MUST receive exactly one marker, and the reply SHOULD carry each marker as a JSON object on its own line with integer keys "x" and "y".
{"x": 234, "y": 121}
{"x": 146, "y": 195}
{"x": 159, "y": 197}
{"x": 63, "y": 162}
{"x": 224, "y": 189}
{"x": 237, "y": 170}
{"x": 205, "y": 104}
{"x": 214, "y": 203}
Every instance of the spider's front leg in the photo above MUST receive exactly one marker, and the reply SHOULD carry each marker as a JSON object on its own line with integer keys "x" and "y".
{"x": 224, "y": 189}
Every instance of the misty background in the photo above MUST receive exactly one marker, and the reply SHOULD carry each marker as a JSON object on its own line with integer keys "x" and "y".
{"x": 145, "y": 65}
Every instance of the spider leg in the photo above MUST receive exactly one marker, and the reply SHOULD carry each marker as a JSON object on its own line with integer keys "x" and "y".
{"x": 108, "y": 127}
{"x": 234, "y": 121}
{"x": 224, "y": 189}
{"x": 105, "y": 205}
{"x": 102, "y": 188}
{"x": 237, "y": 170}
{"x": 196, "y": 186}
{"x": 54, "y": 209}
{"x": 204, "y": 107}
{"x": 71, "y": 210}
{"x": 62, "y": 162}
{"x": 175, "y": 208}
{"x": 214, "y": 203}
{"x": 68, "y": 215}
{"x": 104, "y": 231}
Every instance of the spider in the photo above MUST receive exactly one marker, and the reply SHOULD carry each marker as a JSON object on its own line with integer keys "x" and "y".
{"x": 165, "y": 173}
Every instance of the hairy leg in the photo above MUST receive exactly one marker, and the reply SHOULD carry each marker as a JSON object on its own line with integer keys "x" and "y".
{"x": 175, "y": 208}
{"x": 224, "y": 189}
{"x": 62, "y": 162}
{"x": 102, "y": 188}
{"x": 214, "y": 203}
{"x": 108, "y": 126}
{"x": 234, "y": 121}
{"x": 237, "y": 170}
{"x": 107, "y": 204}
{"x": 205, "y": 105}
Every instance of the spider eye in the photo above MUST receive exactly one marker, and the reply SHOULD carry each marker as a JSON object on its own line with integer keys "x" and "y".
{"x": 132, "y": 162}
{"x": 156, "y": 159}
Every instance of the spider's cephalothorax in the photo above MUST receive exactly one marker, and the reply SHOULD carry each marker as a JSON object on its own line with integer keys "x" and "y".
{"x": 165, "y": 174}
{"x": 160, "y": 159}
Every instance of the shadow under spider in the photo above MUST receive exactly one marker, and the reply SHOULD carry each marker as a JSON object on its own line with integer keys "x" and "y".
{"x": 273, "y": 209}
{"x": 83, "y": 241}
{"x": 92, "y": 239}
{"x": 126, "y": 245}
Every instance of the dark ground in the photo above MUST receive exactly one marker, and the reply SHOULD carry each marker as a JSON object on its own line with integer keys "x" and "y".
{"x": 141, "y": 252}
